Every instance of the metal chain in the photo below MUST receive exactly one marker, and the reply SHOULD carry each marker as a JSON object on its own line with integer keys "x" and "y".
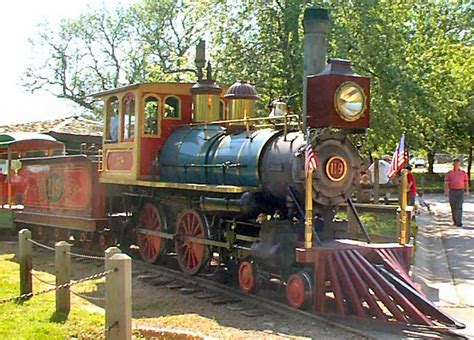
{"x": 94, "y": 298}
{"x": 41, "y": 245}
{"x": 91, "y": 257}
{"x": 64, "y": 285}
{"x": 41, "y": 280}
{"x": 91, "y": 277}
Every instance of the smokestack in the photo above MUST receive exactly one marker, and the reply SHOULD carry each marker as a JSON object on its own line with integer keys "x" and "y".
{"x": 316, "y": 27}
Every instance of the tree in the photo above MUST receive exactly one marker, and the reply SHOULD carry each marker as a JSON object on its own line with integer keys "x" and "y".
{"x": 102, "y": 50}
{"x": 85, "y": 55}
{"x": 418, "y": 54}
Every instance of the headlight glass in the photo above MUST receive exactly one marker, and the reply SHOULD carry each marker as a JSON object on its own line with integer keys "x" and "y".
{"x": 350, "y": 101}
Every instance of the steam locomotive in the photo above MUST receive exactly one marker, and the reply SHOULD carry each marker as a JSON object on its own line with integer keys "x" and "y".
{"x": 188, "y": 171}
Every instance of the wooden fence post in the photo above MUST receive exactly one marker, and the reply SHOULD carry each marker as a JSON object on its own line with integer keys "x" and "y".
{"x": 376, "y": 181}
{"x": 404, "y": 217}
{"x": 118, "y": 297}
{"x": 399, "y": 225}
{"x": 63, "y": 275}
{"x": 109, "y": 252}
{"x": 26, "y": 265}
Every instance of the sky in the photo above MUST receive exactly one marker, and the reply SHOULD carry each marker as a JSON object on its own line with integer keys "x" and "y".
{"x": 18, "y": 22}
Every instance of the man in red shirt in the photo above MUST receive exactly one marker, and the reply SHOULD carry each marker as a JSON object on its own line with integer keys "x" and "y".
{"x": 411, "y": 186}
{"x": 455, "y": 185}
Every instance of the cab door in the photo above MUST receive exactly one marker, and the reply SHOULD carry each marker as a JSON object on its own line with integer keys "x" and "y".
{"x": 150, "y": 139}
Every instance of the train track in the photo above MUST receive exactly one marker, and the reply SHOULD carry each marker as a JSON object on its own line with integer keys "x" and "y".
{"x": 205, "y": 288}
{"x": 250, "y": 305}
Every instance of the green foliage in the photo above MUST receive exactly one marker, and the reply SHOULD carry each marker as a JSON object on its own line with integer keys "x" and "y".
{"x": 419, "y": 55}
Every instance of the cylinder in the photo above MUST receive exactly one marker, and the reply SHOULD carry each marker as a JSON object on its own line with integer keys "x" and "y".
{"x": 316, "y": 26}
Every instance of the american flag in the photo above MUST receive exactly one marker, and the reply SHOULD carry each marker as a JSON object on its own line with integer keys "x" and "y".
{"x": 311, "y": 160}
{"x": 399, "y": 158}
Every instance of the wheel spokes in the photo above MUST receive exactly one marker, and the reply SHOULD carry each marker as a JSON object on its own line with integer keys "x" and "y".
{"x": 150, "y": 245}
{"x": 190, "y": 255}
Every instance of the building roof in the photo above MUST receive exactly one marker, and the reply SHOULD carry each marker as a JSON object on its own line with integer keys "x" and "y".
{"x": 70, "y": 125}
{"x": 27, "y": 142}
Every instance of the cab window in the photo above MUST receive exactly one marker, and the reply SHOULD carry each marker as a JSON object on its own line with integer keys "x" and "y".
{"x": 128, "y": 117}
{"x": 112, "y": 119}
{"x": 172, "y": 107}
{"x": 152, "y": 111}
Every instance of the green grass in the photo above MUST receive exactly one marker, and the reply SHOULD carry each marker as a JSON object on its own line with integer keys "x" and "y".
{"x": 380, "y": 226}
{"x": 429, "y": 182}
{"x": 36, "y": 318}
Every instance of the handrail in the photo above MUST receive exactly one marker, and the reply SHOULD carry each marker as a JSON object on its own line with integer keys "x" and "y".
{"x": 243, "y": 120}
{"x": 286, "y": 118}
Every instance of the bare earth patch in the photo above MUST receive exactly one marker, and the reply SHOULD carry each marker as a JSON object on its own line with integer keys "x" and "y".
{"x": 160, "y": 307}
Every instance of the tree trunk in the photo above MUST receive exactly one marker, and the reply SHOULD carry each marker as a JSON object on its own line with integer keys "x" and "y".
{"x": 431, "y": 156}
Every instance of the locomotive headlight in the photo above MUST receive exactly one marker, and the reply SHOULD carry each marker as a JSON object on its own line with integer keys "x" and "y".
{"x": 349, "y": 101}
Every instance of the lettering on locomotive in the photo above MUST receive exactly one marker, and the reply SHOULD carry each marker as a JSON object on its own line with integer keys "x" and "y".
{"x": 336, "y": 168}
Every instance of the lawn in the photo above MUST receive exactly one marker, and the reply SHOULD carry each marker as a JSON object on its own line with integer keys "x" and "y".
{"x": 429, "y": 183}
{"x": 432, "y": 183}
{"x": 380, "y": 226}
{"x": 36, "y": 318}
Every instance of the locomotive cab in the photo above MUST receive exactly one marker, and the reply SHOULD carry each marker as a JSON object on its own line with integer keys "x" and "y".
{"x": 137, "y": 120}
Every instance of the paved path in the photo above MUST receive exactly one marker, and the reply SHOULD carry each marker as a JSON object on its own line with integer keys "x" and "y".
{"x": 444, "y": 259}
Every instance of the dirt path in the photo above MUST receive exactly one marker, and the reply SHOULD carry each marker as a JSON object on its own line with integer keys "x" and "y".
{"x": 444, "y": 260}
{"x": 164, "y": 308}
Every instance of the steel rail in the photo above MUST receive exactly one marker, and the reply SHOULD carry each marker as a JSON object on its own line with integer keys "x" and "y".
{"x": 371, "y": 329}
{"x": 262, "y": 302}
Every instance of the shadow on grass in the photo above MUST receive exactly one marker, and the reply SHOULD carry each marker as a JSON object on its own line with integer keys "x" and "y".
{"x": 59, "y": 317}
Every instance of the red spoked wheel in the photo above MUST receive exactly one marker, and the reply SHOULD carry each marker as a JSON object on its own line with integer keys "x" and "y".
{"x": 59, "y": 235}
{"x": 191, "y": 256}
{"x": 298, "y": 290}
{"x": 247, "y": 278}
{"x": 152, "y": 218}
{"x": 105, "y": 239}
{"x": 85, "y": 239}
{"x": 42, "y": 233}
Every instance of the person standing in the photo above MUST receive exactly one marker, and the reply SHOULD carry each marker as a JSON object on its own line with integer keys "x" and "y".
{"x": 456, "y": 184}
{"x": 411, "y": 186}
{"x": 384, "y": 169}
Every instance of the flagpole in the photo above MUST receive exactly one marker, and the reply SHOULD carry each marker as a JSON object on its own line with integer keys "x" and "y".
{"x": 308, "y": 227}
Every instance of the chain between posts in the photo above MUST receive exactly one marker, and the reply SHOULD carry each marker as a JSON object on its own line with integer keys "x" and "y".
{"x": 91, "y": 257}
{"x": 41, "y": 280}
{"x": 94, "y": 298}
{"x": 41, "y": 245}
{"x": 52, "y": 289}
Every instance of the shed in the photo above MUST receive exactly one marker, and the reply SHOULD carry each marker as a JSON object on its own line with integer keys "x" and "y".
{"x": 72, "y": 131}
